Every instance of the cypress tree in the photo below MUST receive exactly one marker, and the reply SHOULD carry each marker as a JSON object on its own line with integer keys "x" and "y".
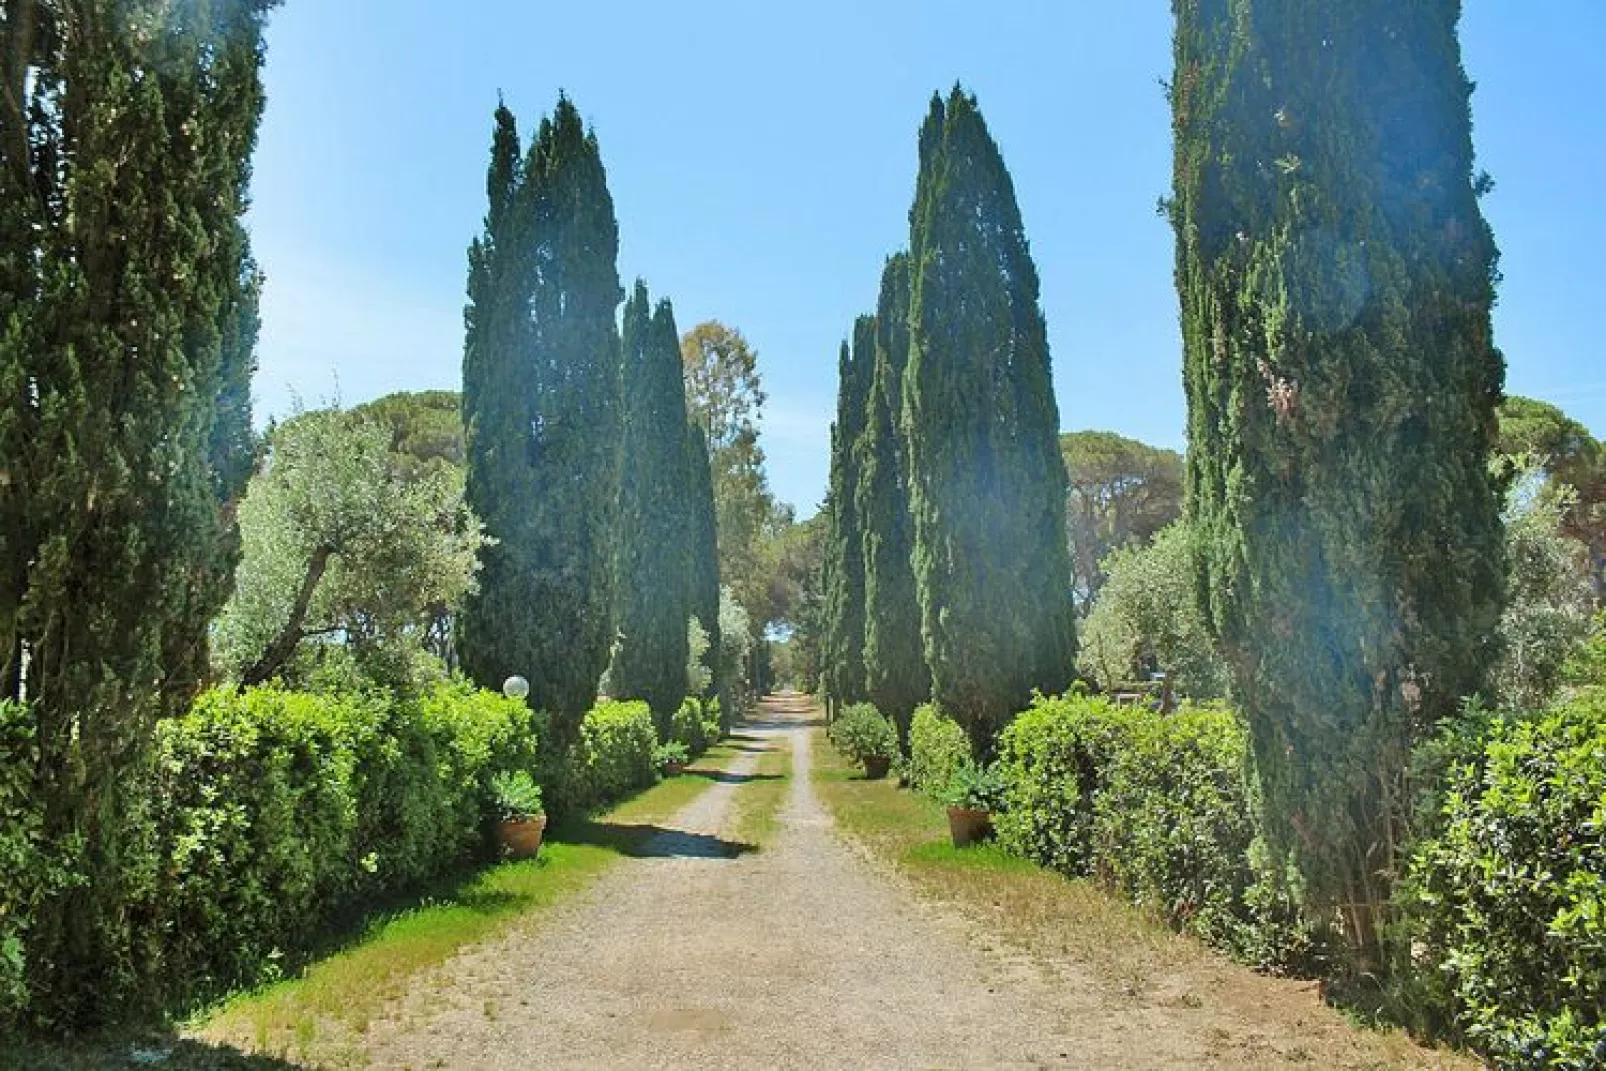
{"x": 987, "y": 487}
{"x": 128, "y": 313}
{"x": 1336, "y": 277}
{"x": 541, "y": 397}
{"x": 844, "y": 549}
{"x": 704, "y": 536}
{"x": 895, "y": 674}
{"x": 654, "y": 588}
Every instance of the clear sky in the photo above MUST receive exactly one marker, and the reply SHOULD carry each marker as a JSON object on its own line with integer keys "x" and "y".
{"x": 762, "y": 160}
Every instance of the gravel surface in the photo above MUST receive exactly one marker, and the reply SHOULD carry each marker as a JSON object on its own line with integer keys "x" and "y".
{"x": 795, "y": 955}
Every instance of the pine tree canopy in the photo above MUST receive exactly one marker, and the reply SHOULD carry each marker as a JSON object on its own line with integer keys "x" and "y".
{"x": 1336, "y": 277}
{"x": 987, "y": 487}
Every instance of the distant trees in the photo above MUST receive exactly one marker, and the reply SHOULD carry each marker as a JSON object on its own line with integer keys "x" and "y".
{"x": 346, "y": 542}
{"x": 1336, "y": 277}
{"x": 987, "y": 485}
{"x": 542, "y": 416}
{"x": 725, "y": 397}
{"x": 653, "y": 543}
{"x": 896, "y": 678}
{"x": 128, "y": 324}
{"x": 1121, "y": 492}
{"x": 844, "y": 549}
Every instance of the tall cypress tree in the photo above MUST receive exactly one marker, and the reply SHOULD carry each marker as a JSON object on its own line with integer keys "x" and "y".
{"x": 704, "y": 523}
{"x": 541, "y": 398}
{"x": 1336, "y": 277}
{"x": 128, "y": 313}
{"x": 987, "y": 487}
{"x": 844, "y": 549}
{"x": 655, "y": 558}
{"x": 895, "y": 674}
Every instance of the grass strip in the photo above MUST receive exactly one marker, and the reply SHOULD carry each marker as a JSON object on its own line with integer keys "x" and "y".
{"x": 303, "y": 1017}
{"x": 758, "y": 801}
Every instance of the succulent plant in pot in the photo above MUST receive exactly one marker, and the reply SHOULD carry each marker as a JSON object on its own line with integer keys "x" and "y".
{"x": 973, "y": 795}
{"x": 521, "y": 815}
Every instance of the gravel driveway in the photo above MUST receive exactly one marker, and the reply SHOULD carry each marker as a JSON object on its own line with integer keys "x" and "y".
{"x": 701, "y": 955}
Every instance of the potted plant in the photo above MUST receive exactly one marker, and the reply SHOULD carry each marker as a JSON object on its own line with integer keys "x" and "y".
{"x": 973, "y": 795}
{"x": 670, "y": 758}
{"x": 865, "y": 736}
{"x": 521, "y": 817}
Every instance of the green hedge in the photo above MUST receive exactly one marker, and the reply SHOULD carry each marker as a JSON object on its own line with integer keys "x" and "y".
{"x": 263, "y": 816}
{"x": 1506, "y": 903}
{"x": 938, "y": 747}
{"x": 1157, "y": 807}
{"x": 862, "y": 732}
{"x": 611, "y": 758}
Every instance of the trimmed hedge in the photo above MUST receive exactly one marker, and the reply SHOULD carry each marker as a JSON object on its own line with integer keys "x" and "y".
{"x": 1156, "y": 807}
{"x": 1506, "y": 903}
{"x": 611, "y": 758}
{"x": 263, "y": 816}
{"x": 938, "y": 747}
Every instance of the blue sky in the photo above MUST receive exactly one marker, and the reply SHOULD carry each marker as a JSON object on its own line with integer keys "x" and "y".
{"x": 762, "y": 158}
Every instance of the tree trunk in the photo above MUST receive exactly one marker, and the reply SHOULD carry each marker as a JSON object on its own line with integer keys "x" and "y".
{"x": 284, "y": 645}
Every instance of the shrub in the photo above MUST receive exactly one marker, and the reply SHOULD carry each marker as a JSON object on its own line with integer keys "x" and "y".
{"x": 861, "y": 733}
{"x": 696, "y": 725}
{"x": 1172, "y": 825}
{"x": 612, "y": 757}
{"x": 1052, "y": 758}
{"x": 938, "y": 747}
{"x": 1507, "y": 900}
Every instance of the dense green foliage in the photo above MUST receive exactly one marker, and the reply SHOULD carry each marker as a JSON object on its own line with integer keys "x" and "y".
{"x": 1549, "y": 596}
{"x": 128, "y": 323}
{"x": 1572, "y": 458}
{"x": 1336, "y": 277}
{"x": 266, "y": 814}
{"x": 541, "y": 414}
{"x": 938, "y": 747}
{"x": 345, "y": 542}
{"x": 1146, "y": 619}
{"x": 987, "y": 486}
{"x": 1121, "y": 492}
{"x": 1507, "y": 902}
{"x": 653, "y": 542}
{"x": 843, "y": 568}
{"x": 896, "y": 678}
{"x": 611, "y": 757}
{"x": 861, "y": 732}
{"x": 1156, "y": 806}
{"x": 696, "y": 725}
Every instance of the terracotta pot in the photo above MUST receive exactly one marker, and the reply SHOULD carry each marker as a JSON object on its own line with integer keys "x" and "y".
{"x": 876, "y": 768}
{"x": 521, "y": 839}
{"x": 967, "y": 826}
{"x": 674, "y": 769}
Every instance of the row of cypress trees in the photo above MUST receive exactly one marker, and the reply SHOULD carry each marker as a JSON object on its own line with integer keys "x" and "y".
{"x": 946, "y": 570}
{"x": 1336, "y": 277}
{"x": 582, "y": 461}
{"x": 128, "y": 323}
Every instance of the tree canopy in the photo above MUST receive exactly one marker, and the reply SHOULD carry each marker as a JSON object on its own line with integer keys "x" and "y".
{"x": 1121, "y": 492}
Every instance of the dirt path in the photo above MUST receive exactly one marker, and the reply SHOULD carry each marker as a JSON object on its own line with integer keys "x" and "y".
{"x": 798, "y": 954}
